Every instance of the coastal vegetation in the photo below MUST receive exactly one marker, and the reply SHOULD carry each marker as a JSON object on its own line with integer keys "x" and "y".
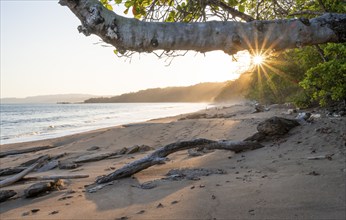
{"x": 300, "y": 45}
{"x": 202, "y": 92}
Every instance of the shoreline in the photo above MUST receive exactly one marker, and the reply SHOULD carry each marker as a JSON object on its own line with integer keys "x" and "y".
{"x": 276, "y": 182}
{"x": 106, "y": 124}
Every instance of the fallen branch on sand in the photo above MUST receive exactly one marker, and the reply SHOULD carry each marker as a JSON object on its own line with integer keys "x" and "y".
{"x": 50, "y": 165}
{"x": 77, "y": 176}
{"x": 6, "y": 194}
{"x": 27, "y": 150}
{"x": 269, "y": 128}
{"x": 159, "y": 156}
{"x": 17, "y": 177}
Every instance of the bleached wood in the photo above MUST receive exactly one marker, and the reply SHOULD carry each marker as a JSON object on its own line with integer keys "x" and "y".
{"x": 17, "y": 177}
{"x": 160, "y": 155}
{"x": 56, "y": 177}
{"x": 128, "y": 34}
{"x": 27, "y": 150}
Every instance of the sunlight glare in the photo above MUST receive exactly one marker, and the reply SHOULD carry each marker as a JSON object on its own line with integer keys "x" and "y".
{"x": 258, "y": 59}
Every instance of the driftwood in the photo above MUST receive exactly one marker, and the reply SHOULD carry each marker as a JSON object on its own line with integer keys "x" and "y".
{"x": 11, "y": 170}
{"x": 160, "y": 155}
{"x": 21, "y": 167}
{"x": 17, "y": 177}
{"x": 328, "y": 156}
{"x": 34, "y": 178}
{"x": 27, "y": 150}
{"x": 93, "y": 157}
{"x": 6, "y": 194}
{"x": 50, "y": 165}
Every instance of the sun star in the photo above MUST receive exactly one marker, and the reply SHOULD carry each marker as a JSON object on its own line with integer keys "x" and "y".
{"x": 258, "y": 59}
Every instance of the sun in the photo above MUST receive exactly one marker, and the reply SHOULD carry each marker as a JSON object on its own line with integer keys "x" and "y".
{"x": 258, "y": 59}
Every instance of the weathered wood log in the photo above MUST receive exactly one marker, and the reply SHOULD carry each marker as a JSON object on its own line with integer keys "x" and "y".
{"x": 160, "y": 155}
{"x": 94, "y": 157}
{"x": 38, "y": 188}
{"x": 14, "y": 170}
{"x": 15, "y": 178}
{"x": 6, "y": 194}
{"x": 51, "y": 165}
{"x": 32, "y": 161}
{"x": 57, "y": 177}
{"x": 11, "y": 170}
{"x": 48, "y": 166}
{"x": 27, "y": 150}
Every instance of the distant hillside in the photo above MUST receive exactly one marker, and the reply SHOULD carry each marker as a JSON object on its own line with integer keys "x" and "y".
{"x": 235, "y": 90}
{"x": 203, "y": 92}
{"x": 48, "y": 99}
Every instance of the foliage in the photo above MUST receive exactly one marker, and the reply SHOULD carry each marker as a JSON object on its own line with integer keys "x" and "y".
{"x": 320, "y": 70}
{"x": 276, "y": 81}
{"x": 326, "y": 82}
{"x": 319, "y": 81}
{"x": 203, "y": 92}
{"x": 235, "y": 90}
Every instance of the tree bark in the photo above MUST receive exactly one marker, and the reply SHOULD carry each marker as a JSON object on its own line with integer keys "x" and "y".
{"x": 17, "y": 177}
{"x": 230, "y": 36}
{"x": 24, "y": 151}
{"x": 76, "y": 176}
{"x": 160, "y": 155}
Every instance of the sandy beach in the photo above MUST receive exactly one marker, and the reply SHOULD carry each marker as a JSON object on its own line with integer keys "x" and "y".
{"x": 278, "y": 181}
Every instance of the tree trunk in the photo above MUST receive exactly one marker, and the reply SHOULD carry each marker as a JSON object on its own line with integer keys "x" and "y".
{"x": 160, "y": 155}
{"x": 230, "y": 37}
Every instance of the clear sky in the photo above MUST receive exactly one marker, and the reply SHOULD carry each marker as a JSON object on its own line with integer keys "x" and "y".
{"x": 42, "y": 53}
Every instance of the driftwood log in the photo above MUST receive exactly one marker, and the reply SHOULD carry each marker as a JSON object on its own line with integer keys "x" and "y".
{"x": 159, "y": 156}
{"x": 57, "y": 177}
{"x": 27, "y": 150}
{"x": 17, "y": 177}
{"x": 6, "y": 194}
{"x": 53, "y": 162}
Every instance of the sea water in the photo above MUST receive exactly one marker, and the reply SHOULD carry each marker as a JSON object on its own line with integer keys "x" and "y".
{"x": 29, "y": 122}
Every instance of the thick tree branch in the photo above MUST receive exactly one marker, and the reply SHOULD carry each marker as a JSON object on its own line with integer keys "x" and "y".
{"x": 232, "y": 11}
{"x": 160, "y": 155}
{"x": 230, "y": 37}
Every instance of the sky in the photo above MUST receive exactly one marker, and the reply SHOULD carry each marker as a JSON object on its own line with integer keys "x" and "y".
{"x": 42, "y": 53}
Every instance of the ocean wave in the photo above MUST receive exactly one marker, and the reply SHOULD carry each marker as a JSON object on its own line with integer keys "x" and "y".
{"x": 54, "y": 121}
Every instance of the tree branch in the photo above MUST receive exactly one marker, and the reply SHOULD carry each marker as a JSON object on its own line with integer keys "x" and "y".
{"x": 321, "y": 53}
{"x": 160, "y": 155}
{"x": 307, "y": 12}
{"x": 231, "y": 37}
{"x": 232, "y": 11}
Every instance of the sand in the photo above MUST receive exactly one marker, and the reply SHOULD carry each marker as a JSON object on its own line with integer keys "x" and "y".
{"x": 274, "y": 182}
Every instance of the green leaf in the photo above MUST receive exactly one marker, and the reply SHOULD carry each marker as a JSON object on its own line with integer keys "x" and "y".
{"x": 129, "y": 3}
{"x": 118, "y": 1}
{"x": 241, "y": 8}
{"x": 115, "y": 52}
{"x": 232, "y": 2}
{"x": 109, "y": 7}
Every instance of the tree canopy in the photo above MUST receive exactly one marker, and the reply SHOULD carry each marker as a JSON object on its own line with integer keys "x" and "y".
{"x": 316, "y": 68}
{"x": 206, "y": 25}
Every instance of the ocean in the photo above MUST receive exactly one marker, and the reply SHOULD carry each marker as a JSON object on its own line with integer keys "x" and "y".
{"x": 30, "y": 122}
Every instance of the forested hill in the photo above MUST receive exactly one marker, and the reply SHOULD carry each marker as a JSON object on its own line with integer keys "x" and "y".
{"x": 203, "y": 92}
